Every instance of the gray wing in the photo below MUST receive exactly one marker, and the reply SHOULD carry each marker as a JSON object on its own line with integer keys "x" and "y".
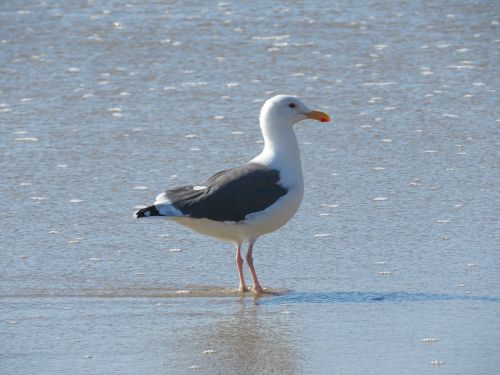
{"x": 230, "y": 195}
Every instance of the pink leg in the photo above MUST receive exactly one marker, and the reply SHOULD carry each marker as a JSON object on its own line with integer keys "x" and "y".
{"x": 256, "y": 285}
{"x": 239, "y": 263}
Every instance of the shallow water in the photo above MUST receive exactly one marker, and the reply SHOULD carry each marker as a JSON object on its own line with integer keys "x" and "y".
{"x": 391, "y": 265}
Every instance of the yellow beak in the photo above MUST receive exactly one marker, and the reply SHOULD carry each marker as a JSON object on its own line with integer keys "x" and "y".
{"x": 318, "y": 115}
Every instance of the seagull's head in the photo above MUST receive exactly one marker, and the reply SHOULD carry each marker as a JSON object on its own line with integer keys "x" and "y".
{"x": 287, "y": 110}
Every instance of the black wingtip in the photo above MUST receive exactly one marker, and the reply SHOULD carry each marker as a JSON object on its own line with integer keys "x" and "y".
{"x": 146, "y": 212}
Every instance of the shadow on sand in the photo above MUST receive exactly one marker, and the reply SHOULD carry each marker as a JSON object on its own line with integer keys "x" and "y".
{"x": 370, "y": 297}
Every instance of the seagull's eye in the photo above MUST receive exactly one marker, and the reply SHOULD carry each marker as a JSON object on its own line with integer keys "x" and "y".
{"x": 291, "y": 105}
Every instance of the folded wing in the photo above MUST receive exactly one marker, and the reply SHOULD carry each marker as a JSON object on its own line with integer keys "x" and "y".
{"x": 228, "y": 195}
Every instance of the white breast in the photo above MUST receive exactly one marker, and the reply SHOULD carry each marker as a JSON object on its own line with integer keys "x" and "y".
{"x": 253, "y": 226}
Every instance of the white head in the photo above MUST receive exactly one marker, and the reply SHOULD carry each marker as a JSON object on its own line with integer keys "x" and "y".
{"x": 286, "y": 110}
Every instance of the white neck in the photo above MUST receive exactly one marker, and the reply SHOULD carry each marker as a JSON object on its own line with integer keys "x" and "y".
{"x": 281, "y": 151}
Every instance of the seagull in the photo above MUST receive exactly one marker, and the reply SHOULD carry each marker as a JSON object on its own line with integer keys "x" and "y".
{"x": 241, "y": 204}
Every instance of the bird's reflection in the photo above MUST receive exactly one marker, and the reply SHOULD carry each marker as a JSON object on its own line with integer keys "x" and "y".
{"x": 253, "y": 341}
